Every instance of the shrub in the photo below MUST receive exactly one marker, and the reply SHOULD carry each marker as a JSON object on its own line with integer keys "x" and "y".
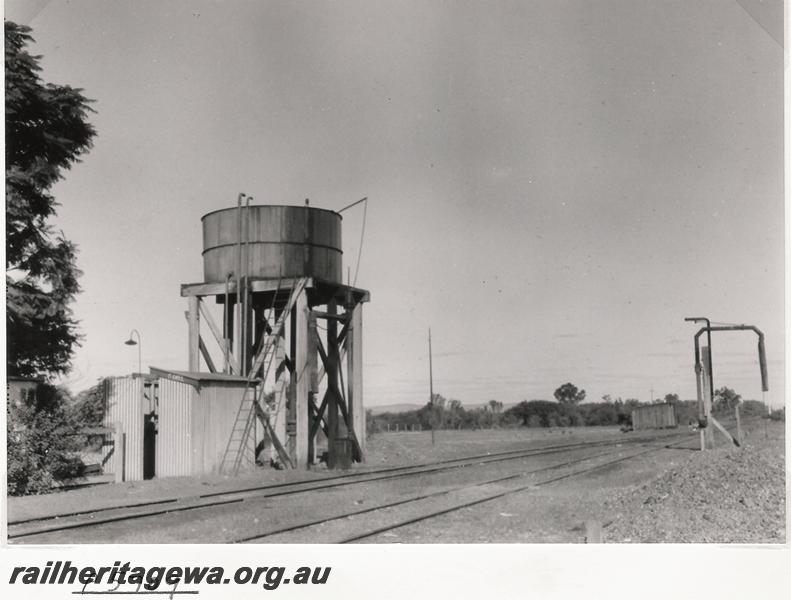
{"x": 534, "y": 421}
{"x": 42, "y": 442}
{"x": 752, "y": 408}
{"x": 88, "y": 407}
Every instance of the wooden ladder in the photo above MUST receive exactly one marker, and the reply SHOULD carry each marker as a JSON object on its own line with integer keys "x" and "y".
{"x": 250, "y": 406}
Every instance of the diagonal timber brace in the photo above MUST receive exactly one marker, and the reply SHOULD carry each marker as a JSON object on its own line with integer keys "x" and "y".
{"x": 340, "y": 400}
{"x": 263, "y": 417}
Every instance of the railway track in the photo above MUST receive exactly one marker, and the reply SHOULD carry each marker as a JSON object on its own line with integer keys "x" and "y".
{"x": 458, "y": 505}
{"x": 30, "y": 528}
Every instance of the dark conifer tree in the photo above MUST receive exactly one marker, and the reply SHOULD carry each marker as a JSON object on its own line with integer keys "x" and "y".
{"x": 46, "y": 132}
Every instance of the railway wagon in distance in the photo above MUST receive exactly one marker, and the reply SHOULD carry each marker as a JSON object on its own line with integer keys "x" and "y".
{"x": 656, "y": 416}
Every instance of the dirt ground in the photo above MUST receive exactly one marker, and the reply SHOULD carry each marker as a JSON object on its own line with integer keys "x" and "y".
{"x": 681, "y": 495}
{"x": 391, "y": 449}
{"x": 673, "y": 495}
{"x": 723, "y": 495}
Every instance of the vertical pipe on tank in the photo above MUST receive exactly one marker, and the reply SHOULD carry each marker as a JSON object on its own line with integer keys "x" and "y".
{"x": 225, "y": 336}
{"x": 246, "y": 286}
{"x": 306, "y": 228}
{"x": 239, "y": 277}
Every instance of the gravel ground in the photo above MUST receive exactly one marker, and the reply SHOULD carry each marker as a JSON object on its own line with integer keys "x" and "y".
{"x": 673, "y": 495}
{"x": 384, "y": 450}
{"x": 387, "y": 449}
{"x": 555, "y": 513}
{"x": 724, "y": 495}
{"x": 255, "y": 516}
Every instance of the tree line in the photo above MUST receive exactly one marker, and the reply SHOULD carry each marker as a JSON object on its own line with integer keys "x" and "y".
{"x": 567, "y": 410}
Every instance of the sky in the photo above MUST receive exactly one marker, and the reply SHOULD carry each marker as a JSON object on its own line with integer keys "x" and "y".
{"x": 553, "y": 185}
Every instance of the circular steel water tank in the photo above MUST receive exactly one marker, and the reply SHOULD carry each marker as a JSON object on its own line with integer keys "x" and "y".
{"x": 283, "y": 241}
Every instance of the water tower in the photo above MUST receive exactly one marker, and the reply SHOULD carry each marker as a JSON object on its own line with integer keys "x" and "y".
{"x": 288, "y": 325}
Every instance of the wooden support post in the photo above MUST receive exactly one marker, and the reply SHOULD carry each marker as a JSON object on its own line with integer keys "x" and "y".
{"x": 291, "y": 421}
{"x": 193, "y": 324}
{"x": 313, "y": 371}
{"x": 281, "y": 395}
{"x": 354, "y": 356}
{"x": 302, "y": 379}
{"x": 332, "y": 384}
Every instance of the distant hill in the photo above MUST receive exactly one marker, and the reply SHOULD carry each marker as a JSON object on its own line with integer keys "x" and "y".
{"x": 394, "y": 408}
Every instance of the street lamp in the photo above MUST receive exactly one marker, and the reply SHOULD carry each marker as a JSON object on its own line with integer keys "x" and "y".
{"x": 138, "y": 343}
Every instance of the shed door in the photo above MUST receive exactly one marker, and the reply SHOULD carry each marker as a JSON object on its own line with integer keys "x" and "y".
{"x": 173, "y": 446}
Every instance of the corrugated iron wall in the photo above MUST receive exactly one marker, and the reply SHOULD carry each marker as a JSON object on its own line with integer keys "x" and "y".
{"x": 214, "y": 414}
{"x": 174, "y": 438}
{"x": 195, "y": 426}
{"x": 123, "y": 398}
{"x": 656, "y": 416}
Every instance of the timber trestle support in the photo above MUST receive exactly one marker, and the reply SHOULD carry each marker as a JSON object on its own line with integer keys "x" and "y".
{"x": 298, "y": 344}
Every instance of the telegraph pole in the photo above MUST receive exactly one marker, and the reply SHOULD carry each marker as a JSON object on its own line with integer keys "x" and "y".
{"x": 431, "y": 387}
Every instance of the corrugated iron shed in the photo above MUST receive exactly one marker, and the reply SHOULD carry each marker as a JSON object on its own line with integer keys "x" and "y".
{"x": 197, "y": 412}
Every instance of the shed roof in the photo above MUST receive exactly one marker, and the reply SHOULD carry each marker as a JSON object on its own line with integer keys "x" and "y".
{"x": 25, "y": 379}
{"x": 197, "y": 377}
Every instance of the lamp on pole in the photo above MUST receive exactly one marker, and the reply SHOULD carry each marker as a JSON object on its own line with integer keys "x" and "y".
{"x": 139, "y": 344}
